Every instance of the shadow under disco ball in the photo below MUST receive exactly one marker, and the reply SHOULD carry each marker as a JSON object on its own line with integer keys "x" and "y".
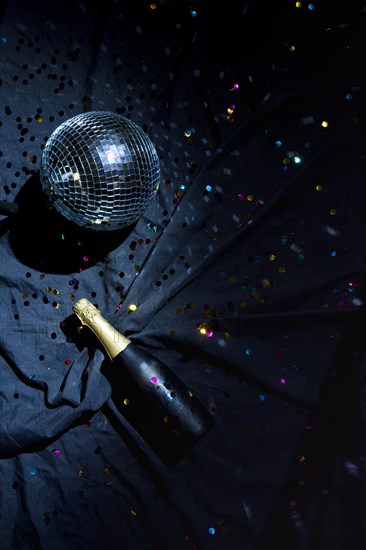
{"x": 100, "y": 170}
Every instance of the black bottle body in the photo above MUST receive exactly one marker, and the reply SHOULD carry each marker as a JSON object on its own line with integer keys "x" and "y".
{"x": 157, "y": 404}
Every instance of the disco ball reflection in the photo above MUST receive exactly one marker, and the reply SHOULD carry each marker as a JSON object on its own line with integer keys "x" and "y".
{"x": 100, "y": 170}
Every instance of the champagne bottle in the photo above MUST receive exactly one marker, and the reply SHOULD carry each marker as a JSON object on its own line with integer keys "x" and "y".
{"x": 149, "y": 394}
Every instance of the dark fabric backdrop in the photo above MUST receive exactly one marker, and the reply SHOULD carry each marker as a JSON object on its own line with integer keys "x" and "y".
{"x": 257, "y": 234}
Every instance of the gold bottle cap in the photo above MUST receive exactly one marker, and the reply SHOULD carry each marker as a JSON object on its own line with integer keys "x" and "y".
{"x": 113, "y": 341}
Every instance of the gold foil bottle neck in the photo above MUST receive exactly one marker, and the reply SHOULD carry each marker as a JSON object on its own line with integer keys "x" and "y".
{"x": 113, "y": 341}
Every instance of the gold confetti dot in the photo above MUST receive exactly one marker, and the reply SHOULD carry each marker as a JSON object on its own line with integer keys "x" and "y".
{"x": 48, "y": 289}
{"x": 126, "y": 402}
{"x": 271, "y": 257}
{"x": 133, "y": 513}
{"x": 80, "y": 473}
{"x": 325, "y": 124}
{"x": 250, "y": 197}
{"x": 286, "y": 161}
{"x": 56, "y": 292}
{"x": 24, "y": 296}
{"x": 71, "y": 297}
{"x": 132, "y": 307}
{"x": 282, "y": 269}
{"x": 106, "y": 471}
{"x": 333, "y": 212}
{"x": 319, "y": 187}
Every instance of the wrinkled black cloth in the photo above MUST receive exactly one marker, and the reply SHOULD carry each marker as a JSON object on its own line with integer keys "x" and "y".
{"x": 247, "y": 273}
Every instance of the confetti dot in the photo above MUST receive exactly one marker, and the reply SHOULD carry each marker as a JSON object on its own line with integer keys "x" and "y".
{"x": 211, "y": 531}
{"x": 132, "y": 307}
{"x": 33, "y": 471}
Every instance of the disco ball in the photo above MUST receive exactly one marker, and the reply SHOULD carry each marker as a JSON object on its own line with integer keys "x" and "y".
{"x": 100, "y": 170}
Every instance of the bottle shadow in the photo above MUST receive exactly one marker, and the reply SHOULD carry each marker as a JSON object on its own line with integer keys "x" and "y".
{"x": 44, "y": 240}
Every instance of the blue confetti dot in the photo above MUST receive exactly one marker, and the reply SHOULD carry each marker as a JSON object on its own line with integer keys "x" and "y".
{"x": 261, "y": 397}
{"x": 248, "y": 351}
{"x": 349, "y": 96}
{"x": 278, "y": 143}
{"x": 212, "y": 531}
{"x": 311, "y": 6}
{"x": 208, "y": 188}
{"x": 32, "y": 471}
{"x": 333, "y": 253}
{"x": 300, "y": 257}
{"x": 182, "y": 186}
{"x": 31, "y": 376}
{"x": 3, "y": 40}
